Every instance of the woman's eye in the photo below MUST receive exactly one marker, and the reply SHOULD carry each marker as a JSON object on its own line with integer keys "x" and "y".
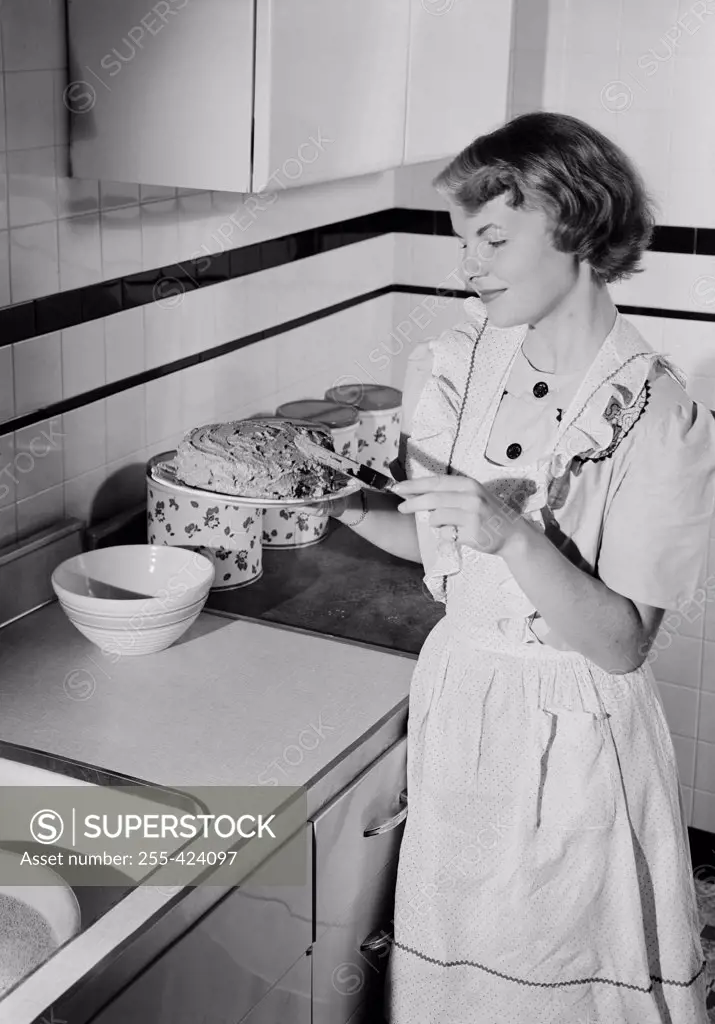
{"x": 495, "y": 245}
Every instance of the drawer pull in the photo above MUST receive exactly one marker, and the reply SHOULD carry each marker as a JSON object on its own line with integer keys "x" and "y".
{"x": 391, "y": 823}
{"x": 376, "y": 941}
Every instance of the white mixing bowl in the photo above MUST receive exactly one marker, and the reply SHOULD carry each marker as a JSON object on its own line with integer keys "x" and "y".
{"x": 134, "y": 598}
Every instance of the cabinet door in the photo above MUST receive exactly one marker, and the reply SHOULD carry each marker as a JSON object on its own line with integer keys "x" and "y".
{"x": 330, "y": 89}
{"x": 162, "y": 94}
{"x": 225, "y": 965}
{"x": 288, "y": 1002}
{"x": 458, "y": 76}
{"x": 358, "y": 833}
{"x": 350, "y": 959}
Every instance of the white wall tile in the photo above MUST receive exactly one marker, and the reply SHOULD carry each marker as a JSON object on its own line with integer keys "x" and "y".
{"x": 708, "y": 682}
{"x": 114, "y": 194}
{"x": 690, "y": 197}
{"x": 80, "y": 251}
{"x": 75, "y": 196}
{"x": 32, "y": 186}
{"x": 427, "y": 260}
{"x": 685, "y": 755}
{"x": 8, "y": 525}
{"x": 38, "y": 458}
{"x": 680, "y": 704}
{"x": 677, "y": 658}
{"x": 705, "y": 767}
{"x": 124, "y": 344}
{"x": 33, "y": 34}
{"x": 160, "y": 233}
{"x": 640, "y": 34}
{"x": 197, "y": 321}
{"x": 61, "y": 114}
{"x": 80, "y": 494}
{"x": 697, "y": 38}
{"x": 38, "y": 373}
{"x": 7, "y": 384}
{"x": 162, "y": 334}
{"x": 163, "y": 407}
{"x": 151, "y": 193}
{"x": 85, "y": 439}
{"x": 121, "y": 242}
{"x": 706, "y": 718}
{"x": 4, "y": 268}
{"x": 126, "y": 423}
{"x": 198, "y": 395}
{"x": 4, "y": 216}
{"x": 586, "y": 76}
{"x": 83, "y": 362}
{"x": 703, "y": 811}
{"x": 34, "y": 261}
{"x": 39, "y": 511}
{"x": 8, "y": 475}
{"x": 125, "y": 485}
{"x": 593, "y": 29}
{"x": 29, "y": 109}
{"x": 194, "y": 215}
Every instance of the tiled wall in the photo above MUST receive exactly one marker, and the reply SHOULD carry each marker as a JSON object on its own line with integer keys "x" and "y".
{"x": 643, "y": 73}
{"x": 58, "y": 233}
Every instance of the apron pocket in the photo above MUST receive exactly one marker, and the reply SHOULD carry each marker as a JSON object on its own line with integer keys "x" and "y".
{"x": 576, "y": 786}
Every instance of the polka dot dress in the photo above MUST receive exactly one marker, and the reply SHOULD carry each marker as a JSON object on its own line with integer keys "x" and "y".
{"x": 544, "y": 873}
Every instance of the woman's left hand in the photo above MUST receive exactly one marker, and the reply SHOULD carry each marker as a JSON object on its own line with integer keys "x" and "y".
{"x": 482, "y": 521}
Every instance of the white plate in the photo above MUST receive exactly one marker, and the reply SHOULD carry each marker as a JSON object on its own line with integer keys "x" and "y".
{"x": 159, "y": 471}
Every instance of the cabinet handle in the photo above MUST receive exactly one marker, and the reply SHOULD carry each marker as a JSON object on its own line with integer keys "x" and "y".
{"x": 391, "y": 823}
{"x": 376, "y": 941}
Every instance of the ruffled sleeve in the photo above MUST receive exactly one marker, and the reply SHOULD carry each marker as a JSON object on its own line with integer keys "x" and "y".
{"x": 656, "y": 530}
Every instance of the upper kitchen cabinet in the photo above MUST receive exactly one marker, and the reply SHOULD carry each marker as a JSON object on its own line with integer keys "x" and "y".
{"x": 162, "y": 94}
{"x": 331, "y": 72}
{"x": 458, "y": 74}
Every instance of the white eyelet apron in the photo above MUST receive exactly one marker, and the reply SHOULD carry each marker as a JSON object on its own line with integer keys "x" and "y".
{"x": 544, "y": 876}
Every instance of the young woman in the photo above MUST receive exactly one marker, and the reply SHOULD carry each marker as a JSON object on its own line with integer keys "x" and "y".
{"x": 560, "y": 489}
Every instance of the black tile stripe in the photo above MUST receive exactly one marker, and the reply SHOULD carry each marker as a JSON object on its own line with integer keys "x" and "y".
{"x": 107, "y": 390}
{"x": 63, "y": 310}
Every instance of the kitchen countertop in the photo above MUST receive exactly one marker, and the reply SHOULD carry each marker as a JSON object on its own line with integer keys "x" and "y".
{"x": 220, "y": 707}
{"x": 342, "y": 587}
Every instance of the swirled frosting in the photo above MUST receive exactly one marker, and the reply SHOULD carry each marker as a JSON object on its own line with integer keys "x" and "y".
{"x": 256, "y": 459}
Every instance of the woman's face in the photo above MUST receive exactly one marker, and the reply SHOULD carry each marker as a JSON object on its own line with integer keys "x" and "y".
{"x": 509, "y": 260}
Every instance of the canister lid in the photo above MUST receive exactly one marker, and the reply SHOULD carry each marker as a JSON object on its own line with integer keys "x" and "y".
{"x": 318, "y": 410}
{"x": 367, "y": 397}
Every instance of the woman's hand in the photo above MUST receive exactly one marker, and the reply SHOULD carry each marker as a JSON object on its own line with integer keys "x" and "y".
{"x": 482, "y": 521}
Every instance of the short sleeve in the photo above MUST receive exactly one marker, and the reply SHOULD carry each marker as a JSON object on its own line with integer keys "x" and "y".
{"x": 656, "y": 531}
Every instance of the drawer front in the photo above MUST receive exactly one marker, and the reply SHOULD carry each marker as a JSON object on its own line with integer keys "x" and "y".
{"x": 288, "y": 1002}
{"x": 346, "y": 859}
{"x": 347, "y": 975}
{"x": 229, "y": 960}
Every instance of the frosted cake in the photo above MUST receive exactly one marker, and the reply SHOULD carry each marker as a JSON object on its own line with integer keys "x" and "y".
{"x": 255, "y": 459}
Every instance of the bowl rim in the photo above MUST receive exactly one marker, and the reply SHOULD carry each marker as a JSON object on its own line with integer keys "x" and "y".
{"x": 162, "y": 600}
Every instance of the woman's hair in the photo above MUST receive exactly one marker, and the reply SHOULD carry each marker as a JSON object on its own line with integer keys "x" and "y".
{"x": 595, "y": 198}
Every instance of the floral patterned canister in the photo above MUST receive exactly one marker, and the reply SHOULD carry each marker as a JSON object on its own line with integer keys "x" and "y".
{"x": 227, "y": 534}
{"x": 341, "y": 420}
{"x": 380, "y": 411}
